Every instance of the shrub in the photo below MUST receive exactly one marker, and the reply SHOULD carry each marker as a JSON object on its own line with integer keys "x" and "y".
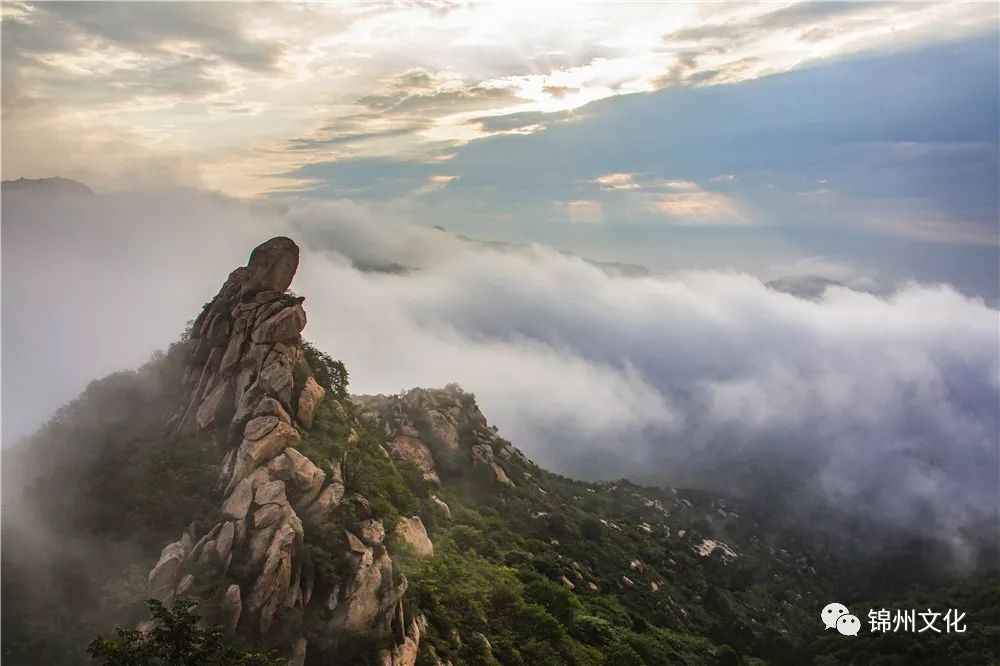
{"x": 592, "y": 630}
{"x": 533, "y": 621}
{"x": 331, "y": 374}
{"x": 466, "y": 538}
{"x": 555, "y": 598}
{"x": 177, "y": 639}
{"x": 621, "y": 654}
{"x": 591, "y": 528}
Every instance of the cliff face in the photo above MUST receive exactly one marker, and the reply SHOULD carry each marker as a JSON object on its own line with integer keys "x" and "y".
{"x": 248, "y": 386}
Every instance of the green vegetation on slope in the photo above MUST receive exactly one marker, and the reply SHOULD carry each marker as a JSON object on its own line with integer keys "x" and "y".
{"x": 175, "y": 639}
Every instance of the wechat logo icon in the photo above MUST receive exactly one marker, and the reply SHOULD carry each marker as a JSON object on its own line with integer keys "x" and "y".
{"x": 836, "y": 616}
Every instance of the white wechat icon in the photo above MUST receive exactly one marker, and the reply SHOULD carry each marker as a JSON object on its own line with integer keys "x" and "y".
{"x": 848, "y": 625}
{"x": 832, "y": 613}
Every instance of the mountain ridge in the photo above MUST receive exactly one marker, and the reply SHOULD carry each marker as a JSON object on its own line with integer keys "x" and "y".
{"x": 50, "y": 186}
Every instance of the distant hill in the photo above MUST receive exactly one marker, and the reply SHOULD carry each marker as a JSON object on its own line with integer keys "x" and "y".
{"x": 48, "y": 186}
{"x": 612, "y": 267}
{"x": 397, "y": 268}
{"x": 808, "y": 287}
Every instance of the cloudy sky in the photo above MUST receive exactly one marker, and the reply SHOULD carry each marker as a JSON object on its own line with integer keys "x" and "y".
{"x": 672, "y": 135}
{"x": 720, "y": 145}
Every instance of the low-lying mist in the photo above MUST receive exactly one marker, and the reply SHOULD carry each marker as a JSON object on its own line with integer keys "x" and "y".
{"x": 883, "y": 405}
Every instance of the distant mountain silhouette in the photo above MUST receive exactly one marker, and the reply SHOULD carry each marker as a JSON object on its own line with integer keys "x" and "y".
{"x": 49, "y": 186}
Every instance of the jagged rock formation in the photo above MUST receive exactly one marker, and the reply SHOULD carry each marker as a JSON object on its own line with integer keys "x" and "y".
{"x": 445, "y": 509}
{"x": 405, "y": 652}
{"x": 440, "y": 431}
{"x": 369, "y": 601}
{"x": 250, "y": 387}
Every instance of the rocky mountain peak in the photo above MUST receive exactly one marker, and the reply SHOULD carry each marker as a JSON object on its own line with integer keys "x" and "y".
{"x": 247, "y": 347}
{"x": 441, "y": 431}
{"x": 248, "y": 385}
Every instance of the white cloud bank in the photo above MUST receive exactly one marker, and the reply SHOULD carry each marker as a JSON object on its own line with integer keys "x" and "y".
{"x": 885, "y": 405}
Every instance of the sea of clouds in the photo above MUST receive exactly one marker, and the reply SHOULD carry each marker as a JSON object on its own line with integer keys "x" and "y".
{"x": 882, "y": 402}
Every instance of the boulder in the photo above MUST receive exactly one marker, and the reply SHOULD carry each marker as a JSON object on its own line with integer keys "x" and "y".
{"x": 234, "y": 349}
{"x": 362, "y": 508}
{"x": 271, "y": 588}
{"x": 309, "y": 399}
{"x": 405, "y": 653}
{"x": 195, "y": 553}
{"x": 302, "y": 478}
{"x": 272, "y": 266}
{"x": 238, "y": 502}
{"x": 415, "y": 451}
{"x": 372, "y": 532}
{"x": 329, "y": 499}
{"x": 224, "y": 541}
{"x": 482, "y": 455}
{"x": 265, "y": 311}
{"x": 271, "y": 407}
{"x": 256, "y": 550}
{"x": 442, "y": 430}
{"x": 441, "y": 505}
{"x": 500, "y": 475}
{"x": 272, "y": 492}
{"x": 259, "y": 427}
{"x": 276, "y": 379}
{"x": 253, "y": 453}
{"x": 412, "y": 531}
{"x": 367, "y": 600}
{"x": 248, "y": 394}
{"x": 231, "y": 607}
{"x": 266, "y": 515}
{"x": 354, "y": 543}
{"x": 217, "y": 407}
{"x": 284, "y": 325}
{"x": 164, "y": 573}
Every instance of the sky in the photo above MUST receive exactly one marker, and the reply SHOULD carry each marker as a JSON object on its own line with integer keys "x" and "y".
{"x": 720, "y": 145}
{"x": 673, "y": 135}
